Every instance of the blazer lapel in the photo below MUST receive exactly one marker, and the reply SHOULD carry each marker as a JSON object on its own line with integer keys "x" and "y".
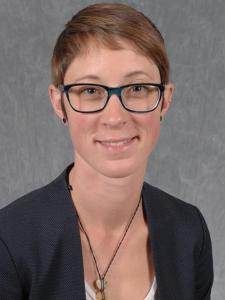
{"x": 161, "y": 237}
{"x": 71, "y": 262}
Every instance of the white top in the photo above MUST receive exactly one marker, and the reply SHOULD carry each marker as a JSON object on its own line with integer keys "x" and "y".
{"x": 90, "y": 294}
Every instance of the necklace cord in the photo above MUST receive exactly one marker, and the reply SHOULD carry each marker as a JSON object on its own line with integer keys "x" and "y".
{"x": 101, "y": 277}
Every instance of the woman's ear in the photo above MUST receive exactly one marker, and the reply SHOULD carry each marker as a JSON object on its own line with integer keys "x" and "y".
{"x": 167, "y": 98}
{"x": 55, "y": 97}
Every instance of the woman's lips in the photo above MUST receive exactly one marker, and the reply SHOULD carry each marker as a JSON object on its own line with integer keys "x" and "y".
{"x": 117, "y": 144}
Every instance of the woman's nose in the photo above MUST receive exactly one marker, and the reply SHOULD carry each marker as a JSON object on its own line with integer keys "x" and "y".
{"x": 114, "y": 114}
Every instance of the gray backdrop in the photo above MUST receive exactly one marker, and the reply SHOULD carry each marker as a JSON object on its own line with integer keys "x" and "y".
{"x": 189, "y": 159}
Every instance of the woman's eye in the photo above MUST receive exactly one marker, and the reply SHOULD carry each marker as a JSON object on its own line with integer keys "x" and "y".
{"x": 90, "y": 91}
{"x": 138, "y": 88}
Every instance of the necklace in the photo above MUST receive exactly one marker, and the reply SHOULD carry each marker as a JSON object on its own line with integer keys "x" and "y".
{"x": 101, "y": 283}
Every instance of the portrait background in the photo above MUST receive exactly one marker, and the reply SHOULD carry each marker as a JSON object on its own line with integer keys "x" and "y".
{"x": 189, "y": 160}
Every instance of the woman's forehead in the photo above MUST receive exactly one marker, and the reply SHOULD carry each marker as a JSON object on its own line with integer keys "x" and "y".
{"x": 97, "y": 60}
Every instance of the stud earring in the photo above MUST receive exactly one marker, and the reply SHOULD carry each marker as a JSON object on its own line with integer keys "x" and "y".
{"x": 64, "y": 120}
{"x": 160, "y": 118}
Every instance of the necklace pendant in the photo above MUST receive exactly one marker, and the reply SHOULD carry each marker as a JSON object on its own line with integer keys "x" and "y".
{"x": 101, "y": 284}
{"x": 100, "y": 295}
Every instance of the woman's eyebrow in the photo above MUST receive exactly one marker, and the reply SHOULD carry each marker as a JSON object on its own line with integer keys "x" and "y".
{"x": 134, "y": 73}
{"x": 87, "y": 77}
{"x": 139, "y": 72}
{"x": 126, "y": 76}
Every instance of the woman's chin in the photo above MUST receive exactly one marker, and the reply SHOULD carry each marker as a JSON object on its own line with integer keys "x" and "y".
{"x": 121, "y": 169}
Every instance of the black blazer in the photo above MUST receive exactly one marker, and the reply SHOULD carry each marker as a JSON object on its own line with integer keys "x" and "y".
{"x": 40, "y": 248}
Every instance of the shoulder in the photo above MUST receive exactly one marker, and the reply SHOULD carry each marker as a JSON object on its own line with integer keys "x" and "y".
{"x": 29, "y": 204}
{"x": 35, "y": 211}
{"x": 166, "y": 202}
{"x": 174, "y": 215}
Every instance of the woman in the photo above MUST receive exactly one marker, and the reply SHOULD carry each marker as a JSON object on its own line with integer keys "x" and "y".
{"x": 98, "y": 231}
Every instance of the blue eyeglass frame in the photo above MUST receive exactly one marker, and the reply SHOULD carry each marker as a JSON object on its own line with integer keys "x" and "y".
{"x": 112, "y": 91}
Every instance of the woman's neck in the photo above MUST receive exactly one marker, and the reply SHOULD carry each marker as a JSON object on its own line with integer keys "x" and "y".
{"x": 105, "y": 203}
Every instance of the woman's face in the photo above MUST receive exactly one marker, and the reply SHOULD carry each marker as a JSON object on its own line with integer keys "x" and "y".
{"x": 113, "y": 142}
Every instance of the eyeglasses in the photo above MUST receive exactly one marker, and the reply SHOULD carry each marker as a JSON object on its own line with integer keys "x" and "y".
{"x": 136, "y": 97}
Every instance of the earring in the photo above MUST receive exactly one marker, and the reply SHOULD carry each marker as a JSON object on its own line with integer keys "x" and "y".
{"x": 64, "y": 120}
{"x": 160, "y": 118}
